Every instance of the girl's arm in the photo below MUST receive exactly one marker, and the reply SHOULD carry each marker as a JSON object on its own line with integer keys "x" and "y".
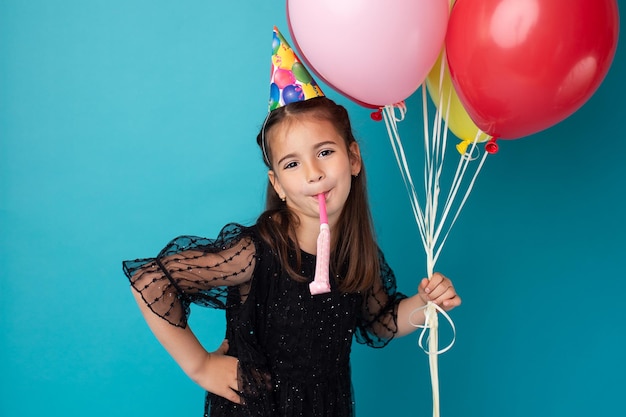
{"x": 437, "y": 289}
{"x": 215, "y": 372}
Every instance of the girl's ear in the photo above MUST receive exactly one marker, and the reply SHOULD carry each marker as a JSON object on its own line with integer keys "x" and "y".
{"x": 276, "y": 184}
{"x": 355, "y": 158}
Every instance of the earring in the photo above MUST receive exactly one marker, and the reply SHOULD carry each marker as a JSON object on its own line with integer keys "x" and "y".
{"x": 283, "y": 199}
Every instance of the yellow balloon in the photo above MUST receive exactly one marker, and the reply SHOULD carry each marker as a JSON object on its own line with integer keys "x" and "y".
{"x": 441, "y": 91}
{"x": 311, "y": 90}
{"x": 284, "y": 57}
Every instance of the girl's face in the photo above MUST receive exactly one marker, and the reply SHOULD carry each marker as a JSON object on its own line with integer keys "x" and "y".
{"x": 309, "y": 158}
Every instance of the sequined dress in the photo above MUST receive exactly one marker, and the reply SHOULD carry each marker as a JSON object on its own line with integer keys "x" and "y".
{"x": 293, "y": 348}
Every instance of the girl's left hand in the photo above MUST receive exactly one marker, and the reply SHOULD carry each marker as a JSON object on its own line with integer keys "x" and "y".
{"x": 440, "y": 291}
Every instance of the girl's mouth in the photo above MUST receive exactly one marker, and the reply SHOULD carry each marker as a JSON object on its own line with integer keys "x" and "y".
{"x": 325, "y": 194}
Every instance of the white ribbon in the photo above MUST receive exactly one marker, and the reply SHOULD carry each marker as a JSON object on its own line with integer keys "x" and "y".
{"x": 431, "y": 322}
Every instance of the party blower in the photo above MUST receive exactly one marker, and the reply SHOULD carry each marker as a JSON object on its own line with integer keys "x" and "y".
{"x": 321, "y": 284}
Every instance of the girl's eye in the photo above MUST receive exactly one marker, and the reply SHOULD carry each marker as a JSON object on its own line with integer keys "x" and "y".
{"x": 326, "y": 152}
{"x": 290, "y": 165}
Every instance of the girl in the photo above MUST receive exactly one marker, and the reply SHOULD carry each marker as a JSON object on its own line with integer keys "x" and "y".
{"x": 287, "y": 352}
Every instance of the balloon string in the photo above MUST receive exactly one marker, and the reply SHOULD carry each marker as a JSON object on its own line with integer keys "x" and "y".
{"x": 398, "y": 150}
{"x": 431, "y": 326}
{"x": 462, "y": 203}
{"x": 425, "y": 222}
{"x": 433, "y": 163}
{"x": 432, "y": 222}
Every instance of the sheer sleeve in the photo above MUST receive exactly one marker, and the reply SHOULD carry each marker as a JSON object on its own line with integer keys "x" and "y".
{"x": 377, "y": 324}
{"x": 194, "y": 270}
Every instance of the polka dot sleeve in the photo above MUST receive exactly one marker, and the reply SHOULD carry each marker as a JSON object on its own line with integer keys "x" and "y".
{"x": 195, "y": 270}
{"x": 377, "y": 323}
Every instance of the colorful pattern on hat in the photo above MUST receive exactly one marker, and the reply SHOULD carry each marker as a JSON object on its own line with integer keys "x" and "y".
{"x": 290, "y": 80}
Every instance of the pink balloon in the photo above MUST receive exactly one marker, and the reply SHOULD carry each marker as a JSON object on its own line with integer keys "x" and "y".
{"x": 374, "y": 52}
{"x": 283, "y": 78}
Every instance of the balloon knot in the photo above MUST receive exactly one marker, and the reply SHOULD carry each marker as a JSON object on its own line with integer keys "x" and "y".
{"x": 491, "y": 146}
{"x": 377, "y": 115}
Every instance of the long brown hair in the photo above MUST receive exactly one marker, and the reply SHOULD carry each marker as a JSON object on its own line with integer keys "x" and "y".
{"x": 354, "y": 257}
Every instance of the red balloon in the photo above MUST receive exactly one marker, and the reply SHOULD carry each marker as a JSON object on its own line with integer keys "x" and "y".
{"x": 521, "y": 66}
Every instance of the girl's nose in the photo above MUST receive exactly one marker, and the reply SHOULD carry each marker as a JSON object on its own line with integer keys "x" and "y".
{"x": 315, "y": 174}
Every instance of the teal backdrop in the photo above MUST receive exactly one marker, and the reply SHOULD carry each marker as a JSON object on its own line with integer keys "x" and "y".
{"x": 126, "y": 123}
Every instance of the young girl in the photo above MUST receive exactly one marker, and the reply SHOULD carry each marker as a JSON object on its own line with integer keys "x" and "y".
{"x": 287, "y": 351}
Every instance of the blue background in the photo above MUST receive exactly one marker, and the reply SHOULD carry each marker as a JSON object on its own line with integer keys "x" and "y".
{"x": 126, "y": 123}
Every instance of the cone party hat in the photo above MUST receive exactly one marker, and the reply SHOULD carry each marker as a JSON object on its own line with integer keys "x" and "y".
{"x": 290, "y": 80}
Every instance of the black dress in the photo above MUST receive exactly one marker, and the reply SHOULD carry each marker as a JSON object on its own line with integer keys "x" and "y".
{"x": 293, "y": 348}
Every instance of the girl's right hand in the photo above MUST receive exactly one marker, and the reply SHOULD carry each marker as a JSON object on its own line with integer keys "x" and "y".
{"x": 220, "y": 376}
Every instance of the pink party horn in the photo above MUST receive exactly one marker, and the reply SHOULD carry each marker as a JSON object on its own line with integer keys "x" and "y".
{"x": 321, "y": 283}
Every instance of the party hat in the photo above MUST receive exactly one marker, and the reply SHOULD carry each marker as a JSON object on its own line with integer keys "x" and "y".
{"x": 290, "y": 80}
